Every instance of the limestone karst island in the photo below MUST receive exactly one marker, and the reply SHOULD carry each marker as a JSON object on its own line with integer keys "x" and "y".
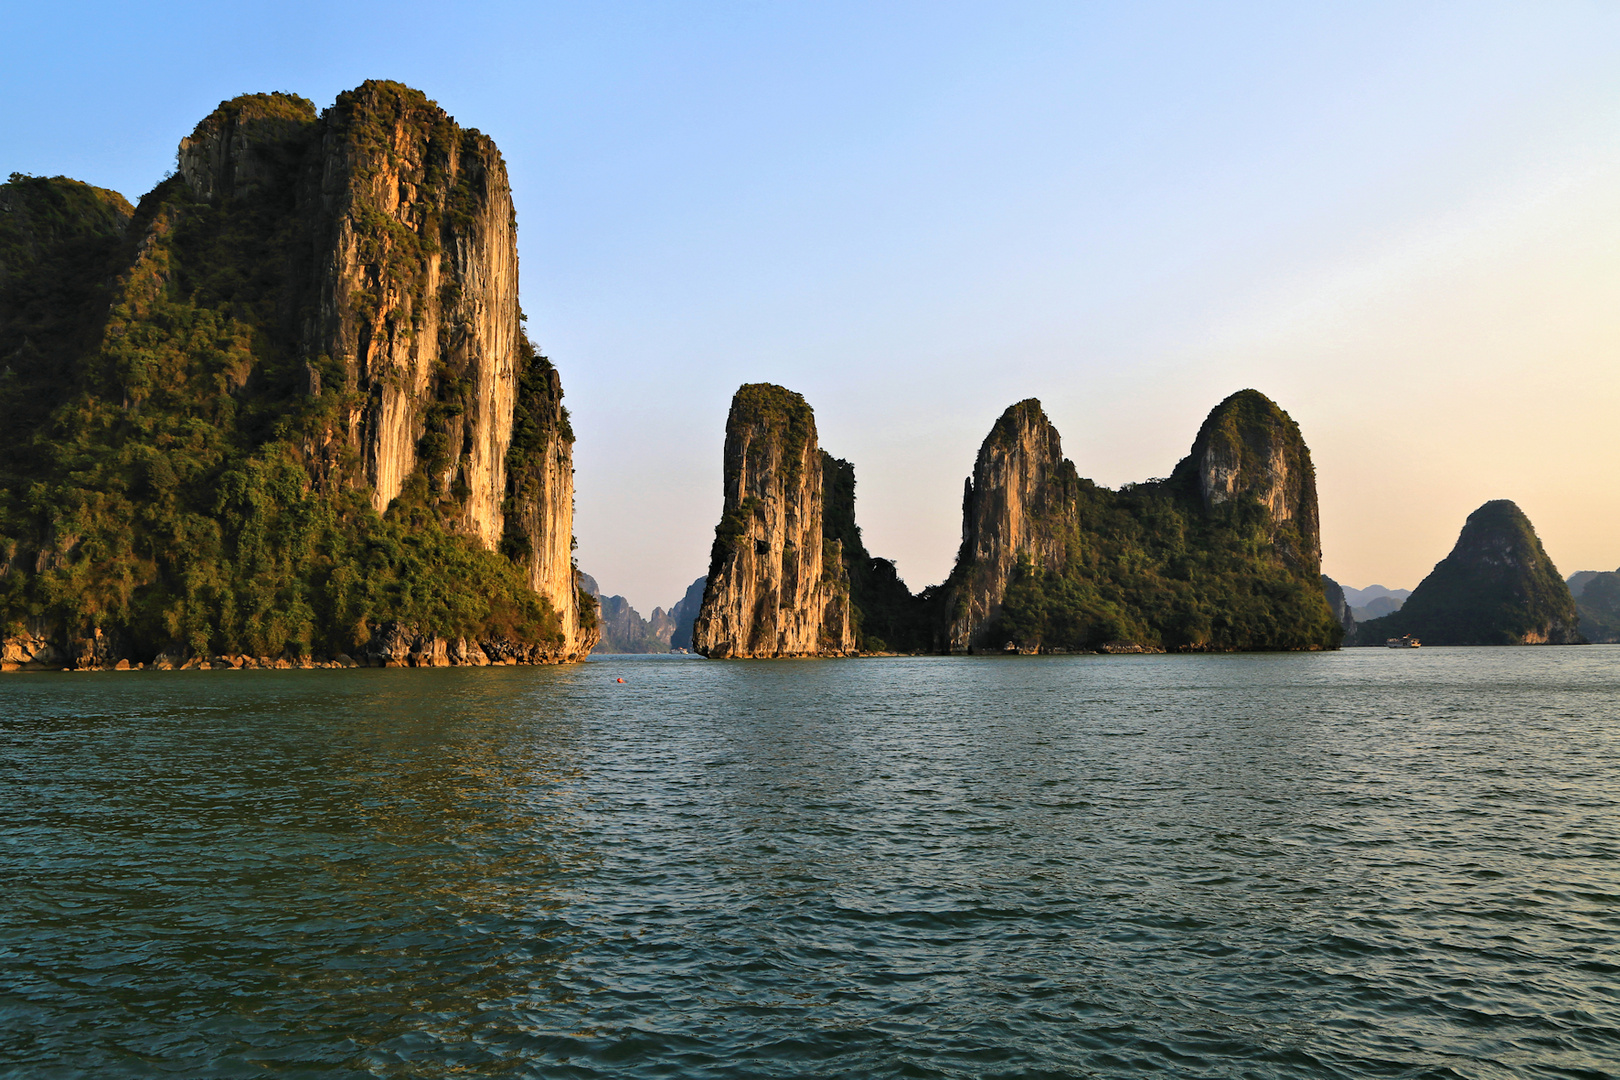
{"x": 1223, "y": 555}
{"x": 284, "y": 412}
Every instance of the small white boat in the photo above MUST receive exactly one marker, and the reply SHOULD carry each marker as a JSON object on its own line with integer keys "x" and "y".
{"x": 1406, "y": 642}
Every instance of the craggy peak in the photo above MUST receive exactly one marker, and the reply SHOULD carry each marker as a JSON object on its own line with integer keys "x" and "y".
{"x": 1497, "y": 587}
{"x": 1224, "y": 555}
{"x": 285, "y": 410}
{"x": 775, "y": 586}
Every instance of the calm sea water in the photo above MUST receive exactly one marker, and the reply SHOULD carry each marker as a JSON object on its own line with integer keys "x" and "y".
{"x": 1361, "y": 864}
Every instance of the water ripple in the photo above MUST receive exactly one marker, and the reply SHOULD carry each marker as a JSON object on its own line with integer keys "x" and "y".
{"x": 1352, "y": 865}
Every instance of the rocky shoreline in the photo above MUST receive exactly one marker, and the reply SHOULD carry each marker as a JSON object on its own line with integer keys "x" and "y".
{"x": 391, "y": 645}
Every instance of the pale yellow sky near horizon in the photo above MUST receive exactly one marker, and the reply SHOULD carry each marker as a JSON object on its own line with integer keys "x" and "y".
{"x": 1477, "y": 358}
{"x": 1474, "y": 357}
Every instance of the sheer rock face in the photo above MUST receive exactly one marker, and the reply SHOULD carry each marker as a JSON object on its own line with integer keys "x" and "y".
{"x": 1018, "y": 504}
{"x": 549, "y": 519}
{"x": 416, "y": 278}
{"x": 775, "y": 586}
{"x": 1249, "y": 448}
{"x": 413, "y": 298}
{"x": 540, "y": 512}
{"x": 1338, "y": 604}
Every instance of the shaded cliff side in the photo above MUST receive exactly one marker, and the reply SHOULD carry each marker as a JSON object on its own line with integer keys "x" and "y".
{"x": 1597, "y": 597}
{"x": 286, "y": 405}
{"x": 684, "y": 615}
{"x": 1496, "y": 587}
{"x": 1340, "y": 606}
{"x": 1222, "y": 555}
{"x": 775, "y": 586}
{"x": 888, "y": 618}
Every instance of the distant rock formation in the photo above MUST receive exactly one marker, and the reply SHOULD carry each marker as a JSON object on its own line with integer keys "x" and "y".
{"x": 660, "y": 628}
{"x": 1372, "y": 594}
{"x": 624, "y": 630}
{"x": 622, "y": 627}
{"x": 1338, "y": 604}
{"x": 775, "y": 587}
{"x": 1224, "y": 554}
{"x": 684, "y": 614}
{"x": 1378, "y": 607}
{"x": 1250, "y": 450}
{"x": 1497, "y": 587}
{"x": 1597, "y": 597}
{"x": 1577, "y": 581}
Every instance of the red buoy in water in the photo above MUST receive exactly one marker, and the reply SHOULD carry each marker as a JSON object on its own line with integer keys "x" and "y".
{"x": 621, "y": 680}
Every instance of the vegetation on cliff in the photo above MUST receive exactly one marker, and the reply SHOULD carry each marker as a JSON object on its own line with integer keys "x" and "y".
{"x": 888, "y": 618}
{"x": 1222, "y": 555}
{"x": 1496, "y": 587}
{"x": 176, "y": 470}
{"x": 777, "y": 583}
{"x": 1147, "y": 564}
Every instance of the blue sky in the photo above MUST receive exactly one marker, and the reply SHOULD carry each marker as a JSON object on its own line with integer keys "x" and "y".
{"x": 1400, "y": 221}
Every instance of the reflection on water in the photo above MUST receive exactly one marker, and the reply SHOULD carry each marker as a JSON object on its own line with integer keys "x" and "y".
{"x": 272, "y": 868}
{"x": 1357, "y": 864}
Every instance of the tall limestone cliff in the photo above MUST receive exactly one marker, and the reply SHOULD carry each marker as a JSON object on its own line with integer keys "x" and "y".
{"x": 1249, "y": 449}
{"x": 307, "y": 403}
{"x": 1018, "y": 507}
{"x": 414, "y": 292}
{"x": 1224, "y": 554}
{"x": 537, "y": 529}
{"x": 1497, "y": 587}
{"x": 776, "y": 587}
